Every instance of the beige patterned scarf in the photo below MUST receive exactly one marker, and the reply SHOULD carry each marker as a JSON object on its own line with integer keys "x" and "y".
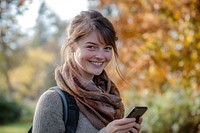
{"x": 99, "y": 100}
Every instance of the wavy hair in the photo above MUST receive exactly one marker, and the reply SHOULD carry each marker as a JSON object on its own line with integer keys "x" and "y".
{"x": 80, "y": 26}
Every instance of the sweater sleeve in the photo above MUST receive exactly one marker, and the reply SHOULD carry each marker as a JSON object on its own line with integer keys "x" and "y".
{"x": 102, "y": 130}
{"x": 48, "y": 117}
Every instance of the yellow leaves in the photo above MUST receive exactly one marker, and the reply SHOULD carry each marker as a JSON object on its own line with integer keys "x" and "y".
{"x": 150, "y": 45}
{"x": 160, "y": 43}
{"x": 22, "y": 74}
{"x": 177, "y": 14}
{"x": 189, "y": 39}
{"x": 152, "y": 70}
{"x": 32, "y": 72}
{"x": 157, "y": 71}
{"x": 129, "y": 26}
{"x": 149, "y": 22}
{"x": 198, "y": 45}
{"x": 194, "y": 55}
{"x": 38, "y": 56}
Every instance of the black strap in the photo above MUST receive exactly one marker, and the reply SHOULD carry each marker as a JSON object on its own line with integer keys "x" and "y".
{"x": 70, "y": 110}
{"x": 73, "y": 113}
{"x": 30, "y": 130}
{"x": 64, "y": 101}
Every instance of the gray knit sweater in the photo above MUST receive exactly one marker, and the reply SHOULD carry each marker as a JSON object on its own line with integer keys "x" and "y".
{"x": 48, "y": 117}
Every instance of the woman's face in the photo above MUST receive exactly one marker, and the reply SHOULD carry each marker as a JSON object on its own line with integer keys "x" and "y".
{"x": 92, "y": 55}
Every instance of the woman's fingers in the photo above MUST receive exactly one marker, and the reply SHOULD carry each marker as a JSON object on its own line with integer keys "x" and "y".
{"x": 128, "y": 126}
{"x": 124, "y": 121}
{"x": 137, "y": 126}
{"x": 124, "y": 125}
{"x": 131, "y": 127}
{"x": 133, "y": 130}
{"x": 140, "y": 120}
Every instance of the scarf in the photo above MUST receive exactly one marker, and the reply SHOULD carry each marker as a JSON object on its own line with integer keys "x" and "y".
{"x": 99, "y": 99}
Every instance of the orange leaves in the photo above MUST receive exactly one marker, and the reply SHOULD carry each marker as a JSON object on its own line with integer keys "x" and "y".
{"x": 159, "y": 43}
{"x": 150, "y": 22}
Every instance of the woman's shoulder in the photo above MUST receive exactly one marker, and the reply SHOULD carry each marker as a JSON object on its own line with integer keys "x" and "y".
{"x": 50, "y": 98}
{"x": 49, "y": 113}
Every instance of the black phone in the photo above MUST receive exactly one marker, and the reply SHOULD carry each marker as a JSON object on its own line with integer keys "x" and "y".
{"x": 137, "y": 112}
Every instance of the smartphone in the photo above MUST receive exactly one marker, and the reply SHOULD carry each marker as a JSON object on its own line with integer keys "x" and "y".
{"x": 137, "y": 112}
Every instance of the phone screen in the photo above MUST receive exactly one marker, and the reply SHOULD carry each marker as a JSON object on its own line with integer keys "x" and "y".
{"x": 137, "y": 112}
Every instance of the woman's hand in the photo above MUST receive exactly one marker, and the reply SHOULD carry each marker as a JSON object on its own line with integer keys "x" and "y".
{"x": 124, "y": 125}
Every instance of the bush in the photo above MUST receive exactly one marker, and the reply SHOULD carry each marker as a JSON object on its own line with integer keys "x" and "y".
{"x": 9, "y": 111}
{"x": 27, "y": 112}
{"x": 175, "y": 111}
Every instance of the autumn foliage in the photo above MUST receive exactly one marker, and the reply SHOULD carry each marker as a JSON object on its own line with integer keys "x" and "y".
{"x": 159, "y": 48}
{"x": 159, "y": 42}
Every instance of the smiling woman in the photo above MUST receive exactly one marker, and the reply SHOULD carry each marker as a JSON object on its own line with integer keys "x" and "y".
{"x": 91, "y": 55}
{"x": 88, "y": 49}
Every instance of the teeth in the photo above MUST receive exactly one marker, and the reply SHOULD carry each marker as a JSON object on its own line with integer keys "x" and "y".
{"x": 97, "y": 63}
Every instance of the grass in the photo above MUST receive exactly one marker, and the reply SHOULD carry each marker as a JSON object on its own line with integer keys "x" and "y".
{"x": 17, "y": 127}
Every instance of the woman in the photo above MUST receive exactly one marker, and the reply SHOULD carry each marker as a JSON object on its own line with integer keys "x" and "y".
{"x": 89, "y": 49}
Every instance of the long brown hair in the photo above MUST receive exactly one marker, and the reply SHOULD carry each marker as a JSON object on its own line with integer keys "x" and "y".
{"x": 80, "y": 26}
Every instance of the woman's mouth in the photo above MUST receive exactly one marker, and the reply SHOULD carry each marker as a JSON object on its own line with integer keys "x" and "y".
{"x": 97, "y": 63}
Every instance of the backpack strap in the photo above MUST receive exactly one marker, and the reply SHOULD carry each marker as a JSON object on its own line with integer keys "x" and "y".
{"x": 73, "y": 113}
{"x": 64, "y": 102}
{"x": 70, "y": 110}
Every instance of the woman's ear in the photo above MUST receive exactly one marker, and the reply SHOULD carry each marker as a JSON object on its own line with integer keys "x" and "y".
{"x": 71, "y": 45}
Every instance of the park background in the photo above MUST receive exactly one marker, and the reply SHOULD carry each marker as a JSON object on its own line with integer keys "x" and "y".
{"x": 159, "y": 50}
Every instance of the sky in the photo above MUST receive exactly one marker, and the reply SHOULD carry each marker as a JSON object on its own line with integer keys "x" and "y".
{"x": 66, "y": 9}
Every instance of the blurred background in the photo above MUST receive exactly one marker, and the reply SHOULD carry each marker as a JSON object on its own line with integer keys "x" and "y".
{"x": 158, "y": 44}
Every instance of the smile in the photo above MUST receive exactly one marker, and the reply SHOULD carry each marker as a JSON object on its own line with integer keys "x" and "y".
{"x": 97, "y": 63}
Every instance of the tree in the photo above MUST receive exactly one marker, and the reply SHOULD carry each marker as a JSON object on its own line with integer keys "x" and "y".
{"x": 49, "y": 34}
{"x": 11, "y": 48}
{"x": 20, "y": 54}
{"x": 159, "y": 45}
{"x": 35, "y": 74}
{"x": 48, "y": 27}
{"x": 159, "y": 42}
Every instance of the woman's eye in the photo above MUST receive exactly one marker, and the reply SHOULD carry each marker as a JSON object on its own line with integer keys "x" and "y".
{"x": 91, "y": 47}
{"x": 108, "y": 48}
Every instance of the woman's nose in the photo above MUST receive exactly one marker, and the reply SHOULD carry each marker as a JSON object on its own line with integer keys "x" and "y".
{"x": 100, "y": 54}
